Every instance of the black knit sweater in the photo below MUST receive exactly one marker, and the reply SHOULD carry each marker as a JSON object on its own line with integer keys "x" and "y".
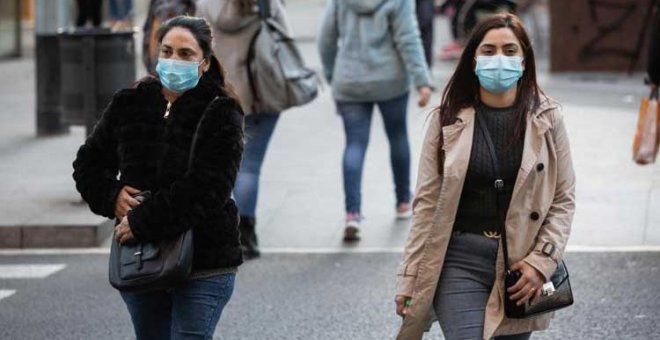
{"x": 148, "y": 152}
{"x": 477, "y": 210}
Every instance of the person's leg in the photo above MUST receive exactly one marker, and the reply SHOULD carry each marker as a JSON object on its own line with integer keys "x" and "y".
{"x": 258, "y": 131}
{"x": 465, "y": 283}
{"x": 115, "y": 10}
{"x": 198, "y": 305}
{"x": 425, "y": 16}
{"x": 150, "y": 313}
{"x": 95, "y": 7}
{"x": 357, "y": 123}
{"x": 81, "y": 20}
{"x": 394, "y": 112}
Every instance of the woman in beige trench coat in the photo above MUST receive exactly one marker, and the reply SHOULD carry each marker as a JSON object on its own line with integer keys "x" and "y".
{"x": 453, "y": 266}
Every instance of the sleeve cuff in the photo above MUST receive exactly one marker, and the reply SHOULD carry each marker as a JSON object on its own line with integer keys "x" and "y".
{"x": 545, "y": 264}
{"x": 135, "y": 224}
{"x": 406, "y": 282}
{"x": 112, "y": 199}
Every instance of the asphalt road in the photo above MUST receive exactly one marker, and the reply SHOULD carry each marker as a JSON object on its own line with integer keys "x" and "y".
{"x": 318, "y": 296}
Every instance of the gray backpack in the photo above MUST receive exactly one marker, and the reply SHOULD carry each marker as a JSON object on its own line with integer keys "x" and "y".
{"x": 277, "y": 74}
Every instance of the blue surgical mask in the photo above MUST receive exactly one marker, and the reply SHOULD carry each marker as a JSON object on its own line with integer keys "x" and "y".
{"x": 498, "y": 73}
{"x": 178, "y": 75}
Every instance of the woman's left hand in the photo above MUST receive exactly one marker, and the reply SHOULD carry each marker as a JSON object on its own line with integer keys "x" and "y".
{"x": 123, "y": 231}
{"x": 529, "y": 286}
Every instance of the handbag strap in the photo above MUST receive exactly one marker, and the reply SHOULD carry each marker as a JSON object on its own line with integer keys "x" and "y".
{"x": 499, "y": 188}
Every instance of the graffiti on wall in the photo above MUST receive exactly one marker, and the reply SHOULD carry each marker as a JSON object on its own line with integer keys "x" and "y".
{"x": 593, "y": 48}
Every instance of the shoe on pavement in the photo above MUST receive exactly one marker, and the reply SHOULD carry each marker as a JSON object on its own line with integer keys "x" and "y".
{"x": 403, "y": 211}
{"x": 352, "y": 230}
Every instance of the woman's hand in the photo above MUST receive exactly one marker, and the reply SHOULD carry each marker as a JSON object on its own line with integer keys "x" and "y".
{"x": 402, "y": 304}
{"x": 123, "y": 231}
{"x": 424, "y": 95}
{"x": 529, "y": 286}
{"x": 125, "y": 201}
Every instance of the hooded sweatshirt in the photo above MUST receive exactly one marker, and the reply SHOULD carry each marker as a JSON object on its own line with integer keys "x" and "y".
{"x": 232, "y": 33}
{"x": 371, "y": 50}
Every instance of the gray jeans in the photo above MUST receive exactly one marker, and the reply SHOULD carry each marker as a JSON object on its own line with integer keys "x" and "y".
{"x": 468, "y": 275}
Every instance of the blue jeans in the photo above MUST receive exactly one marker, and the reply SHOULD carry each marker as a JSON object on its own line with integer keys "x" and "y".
{"x": 258, "y": 130}
{"x": 191, "y": 311}
{"x": 121, "y": 9}
{"x": 357, "y": 124}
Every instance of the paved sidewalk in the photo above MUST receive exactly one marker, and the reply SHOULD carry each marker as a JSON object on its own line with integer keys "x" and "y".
{"x": 301, "y": 200}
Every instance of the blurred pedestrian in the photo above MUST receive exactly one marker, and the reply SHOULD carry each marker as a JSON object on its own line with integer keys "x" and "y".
{"x": 235, "y": 24}
{"x": 494, "y": 122}
{"x": 145, "y": 136}
{"x": 654, "y": 50}
{"x": 121, "y": 14}
{"x": 89, "y": 10}
{"x": 425, "y": 10}
{"x": 159, "y": 12}
{"x": 372, "y": 53}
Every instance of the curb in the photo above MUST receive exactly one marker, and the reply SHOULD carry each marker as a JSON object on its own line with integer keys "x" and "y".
{"x": 55, "y": 236}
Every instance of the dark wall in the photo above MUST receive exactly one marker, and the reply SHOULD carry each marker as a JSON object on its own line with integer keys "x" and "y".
{"x": 599, "y": 35}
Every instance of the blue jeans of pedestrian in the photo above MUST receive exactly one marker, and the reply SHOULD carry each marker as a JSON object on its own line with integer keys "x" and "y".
{"x": 357, "y": 125}
{"x": 191, "y": 311}
{"x": 258, "y": 130}
{"x": 121, "y": 9}
{"x": 468, "y": 276}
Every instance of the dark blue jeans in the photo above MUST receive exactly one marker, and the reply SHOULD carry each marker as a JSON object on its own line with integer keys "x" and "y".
{"x": 191, "y": 311}
{"x": 357, "y": 124}
{"x": 258, "y": 130}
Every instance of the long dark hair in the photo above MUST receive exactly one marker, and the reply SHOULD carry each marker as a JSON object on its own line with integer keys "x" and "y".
{"x": 463, "y": 88}
{"x": 201, "y": 30}
{"x": 246, "y": 7}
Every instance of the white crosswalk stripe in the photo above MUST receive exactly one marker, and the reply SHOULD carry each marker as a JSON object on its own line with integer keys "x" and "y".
{"x": 29, "y": 271}
{"x": 6, "y": 293}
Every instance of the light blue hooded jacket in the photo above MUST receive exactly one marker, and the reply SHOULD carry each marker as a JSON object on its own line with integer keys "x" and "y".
{"x": 371, "y": 50}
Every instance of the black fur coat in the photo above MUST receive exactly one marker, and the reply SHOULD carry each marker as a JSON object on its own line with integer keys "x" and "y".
{"x": 148, "y": 152}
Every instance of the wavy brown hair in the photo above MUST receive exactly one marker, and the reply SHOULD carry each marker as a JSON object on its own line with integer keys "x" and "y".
{"x": 462, "y": 90}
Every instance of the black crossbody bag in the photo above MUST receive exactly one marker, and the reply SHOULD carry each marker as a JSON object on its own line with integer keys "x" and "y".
{"x": 147, "y": 266}
{"x": 562, "y": 295}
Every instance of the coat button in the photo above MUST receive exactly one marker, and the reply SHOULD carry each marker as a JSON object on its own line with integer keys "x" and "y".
{"x": 540, "y": 167}
{"x": 534, "y": 216}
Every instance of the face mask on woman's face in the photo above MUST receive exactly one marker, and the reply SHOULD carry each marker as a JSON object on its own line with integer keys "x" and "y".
{"x": 498, "y": 73}
{"x": 178, "y": 75}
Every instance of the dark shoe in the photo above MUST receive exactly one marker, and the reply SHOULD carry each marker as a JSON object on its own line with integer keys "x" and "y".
{"x": 248, "y": 238}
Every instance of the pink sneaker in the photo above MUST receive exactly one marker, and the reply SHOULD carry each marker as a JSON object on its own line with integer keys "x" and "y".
{"x": 352, "y": 230}
{"x": 451, "y": 51}
{"x": 403, "y": 211}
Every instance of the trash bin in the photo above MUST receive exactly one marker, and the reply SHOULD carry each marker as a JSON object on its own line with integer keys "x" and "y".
{"x": 94, "y": 65}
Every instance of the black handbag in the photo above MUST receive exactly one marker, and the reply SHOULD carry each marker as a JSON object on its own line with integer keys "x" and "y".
{"x": 559, "y": 297}
{"x": 146, "y": 266}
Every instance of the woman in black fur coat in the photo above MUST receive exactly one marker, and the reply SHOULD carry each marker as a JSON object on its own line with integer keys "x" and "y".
{"x": 143, "y": 142}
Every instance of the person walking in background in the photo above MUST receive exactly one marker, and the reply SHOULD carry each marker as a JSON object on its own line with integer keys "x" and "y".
{"x": 425, "y": 17}
{"x": 145, "y": 136}
{"x": 372, "y": 53}
{"x": 159, "y": 12}
{"x": 235, "y": 23}
{"x": 121, "y": 14}
{"x": 451, "y": 264}
{"x": 89, "y": 10}
{"x": 653, "y": 67}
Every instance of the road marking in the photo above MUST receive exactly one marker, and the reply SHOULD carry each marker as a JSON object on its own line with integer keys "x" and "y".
{"x": 327, "y": 250}
{"x": 29, "y": 271}
{"x": 6, "y": 293}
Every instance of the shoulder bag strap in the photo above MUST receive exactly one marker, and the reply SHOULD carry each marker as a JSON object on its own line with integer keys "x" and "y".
{"x": 499, "y": 188}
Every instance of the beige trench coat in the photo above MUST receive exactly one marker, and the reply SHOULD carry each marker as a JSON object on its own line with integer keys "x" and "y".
{"x": 541, "y": 212}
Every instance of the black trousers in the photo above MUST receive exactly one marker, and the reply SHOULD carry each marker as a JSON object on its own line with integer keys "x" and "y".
{"x": 425, "y": 16}
{"x": 89, "y": 10}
